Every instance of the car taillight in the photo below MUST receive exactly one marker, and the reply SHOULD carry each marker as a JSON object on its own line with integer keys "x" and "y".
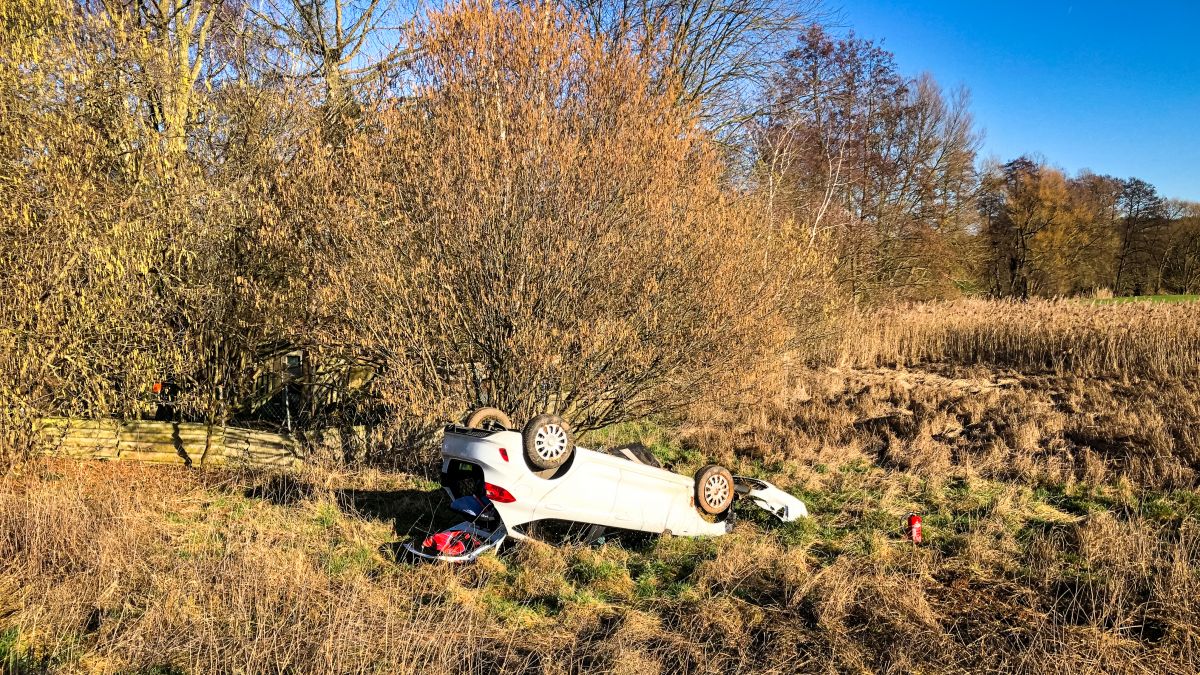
{"x": 503, "y": 454}
{"x": 498, "y": 494}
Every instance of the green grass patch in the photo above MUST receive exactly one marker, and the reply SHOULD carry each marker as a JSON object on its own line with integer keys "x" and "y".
{"x": 658, "y": 439}
{"x": 18, "y": 659}
{"x": 350, "y": 559}
{"x": 519, "y": 614}
{"x": 666, "y": 570}
{"x": 1079, "y": 500}
{"x": 327, "y": 515}
{"x": 1144, "y": 298}
{"x": 592, "y": 569}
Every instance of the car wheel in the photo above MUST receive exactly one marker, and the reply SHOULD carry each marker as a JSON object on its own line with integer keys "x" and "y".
{"x": 547, "y": 441}
{"x": 714, "y": 489}
{"x": 489, "y": 419}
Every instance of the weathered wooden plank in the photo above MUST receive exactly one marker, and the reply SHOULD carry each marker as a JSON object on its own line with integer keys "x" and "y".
{"x": 83, "y": 452}
{"x": 257, "y": 434}
{"x": 160, "y": 438}
{"x": 87, "y": 442}
{"x": 159, "y": 442}
{"x": 267, "y": 450}
{"x": 151, "y": 456}
{"x": 277, "y": 448}
{"x": 67, "y": 422}
{"x": 264, "y": 463}
{"x": 211, "y": 460}
{"x": 152, "y": 426}
{"x": 268, "y": 459}
{"x": 152, "y": 447}
{"x": 91, "y": 430}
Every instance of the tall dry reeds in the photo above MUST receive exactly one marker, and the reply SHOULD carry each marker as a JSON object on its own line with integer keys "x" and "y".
{"x": 1125, "y": 340}
{"x": 134, "y": 568}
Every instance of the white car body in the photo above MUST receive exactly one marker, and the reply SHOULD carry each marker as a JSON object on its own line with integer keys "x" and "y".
{"x": 593, "y": 487}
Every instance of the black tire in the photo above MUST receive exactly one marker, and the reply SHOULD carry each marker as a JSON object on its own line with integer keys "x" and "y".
{"x": 547, "y": 441}
{"x": 714, "y": 489}
{"x": 492, "y": 419}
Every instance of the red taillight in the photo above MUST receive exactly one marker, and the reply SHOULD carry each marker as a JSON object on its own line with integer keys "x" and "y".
{"x": 503, "y": 454}
{"x": 498, "y": 494}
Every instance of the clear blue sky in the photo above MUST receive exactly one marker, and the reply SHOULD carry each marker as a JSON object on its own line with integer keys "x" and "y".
{"x": 1109, "y": 86}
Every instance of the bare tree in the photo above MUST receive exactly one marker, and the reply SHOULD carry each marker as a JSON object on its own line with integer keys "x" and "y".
{"x": 713, "y": 53}
{"x": 878, "y": 164}
{"x": 549, "y": 234}
{"x": 1143, "y": 217}
{"x": 1022, "y": 200}
{"x": 173, "y": 60}
{"x": 344, "y": 44}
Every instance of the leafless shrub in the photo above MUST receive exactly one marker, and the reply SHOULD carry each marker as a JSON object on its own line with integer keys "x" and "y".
{"x": 552, "y": 233}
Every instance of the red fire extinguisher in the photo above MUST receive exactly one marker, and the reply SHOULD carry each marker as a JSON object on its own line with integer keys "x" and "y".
{"x": 912, "y": 527}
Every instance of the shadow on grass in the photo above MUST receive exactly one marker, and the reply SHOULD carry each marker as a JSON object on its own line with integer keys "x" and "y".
{"x": 412, "y": 512}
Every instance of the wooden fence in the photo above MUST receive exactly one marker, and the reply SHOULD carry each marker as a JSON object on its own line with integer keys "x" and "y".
{"x": 192, "y": 444}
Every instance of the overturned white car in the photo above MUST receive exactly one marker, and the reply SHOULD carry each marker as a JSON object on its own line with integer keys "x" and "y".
{"x": 509, "y": 481}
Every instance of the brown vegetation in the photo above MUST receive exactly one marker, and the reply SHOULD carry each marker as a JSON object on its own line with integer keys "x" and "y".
{"x": 1154, "y": 341}
{"x": 876, "y": 166}
{"x": 532, "y": 217}
{"x": 1045, "y": 234}
{"x": 603, "y": 210}
{"x": 567, "y": 210}
{"x": 1061, "y": 521}
{"x": 585, "y": 257}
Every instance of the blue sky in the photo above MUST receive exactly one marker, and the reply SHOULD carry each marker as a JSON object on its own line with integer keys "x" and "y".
{"x": 1109, "y": 86}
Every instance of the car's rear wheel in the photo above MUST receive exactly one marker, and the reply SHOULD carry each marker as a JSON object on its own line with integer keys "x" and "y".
{"x": 547, "y": 441}
{"x": 489, "y": 419}
{"x": 714, "y": 489}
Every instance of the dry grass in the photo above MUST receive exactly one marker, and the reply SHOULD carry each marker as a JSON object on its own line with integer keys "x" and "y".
{"x": 115, "y": 567}
{"x": 1062, "y": 535}
{"x": 1129, "y": 340}
{"x": 120, "y": 569}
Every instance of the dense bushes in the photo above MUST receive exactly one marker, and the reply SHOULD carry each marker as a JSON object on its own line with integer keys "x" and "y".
{"x": 531, "y": 220}
{"x": 571, "y": 225}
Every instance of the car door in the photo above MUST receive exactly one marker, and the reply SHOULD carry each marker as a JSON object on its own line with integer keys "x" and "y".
{"x": 586, "y": 494}
{"x": 645, "y": 499}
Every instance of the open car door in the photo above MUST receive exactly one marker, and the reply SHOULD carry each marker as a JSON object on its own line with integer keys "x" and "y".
{"x": 467, "y": 540}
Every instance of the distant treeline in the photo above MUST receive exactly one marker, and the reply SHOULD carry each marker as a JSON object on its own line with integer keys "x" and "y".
{"x": 1044, "y": 233}
{"x": 884, "y": 167}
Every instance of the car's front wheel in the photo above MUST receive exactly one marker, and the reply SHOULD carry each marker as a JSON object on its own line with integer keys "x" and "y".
{"x": 714, "y": 489}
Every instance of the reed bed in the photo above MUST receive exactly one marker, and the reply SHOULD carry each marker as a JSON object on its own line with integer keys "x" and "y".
{"x": 1154, "y": 341}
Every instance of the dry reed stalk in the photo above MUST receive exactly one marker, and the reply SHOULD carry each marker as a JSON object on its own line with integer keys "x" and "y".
{"x": 1157, "y": 341}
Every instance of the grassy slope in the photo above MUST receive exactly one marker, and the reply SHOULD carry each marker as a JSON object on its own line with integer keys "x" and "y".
{"x": 1039, "y": 556}
{"x": 1057, "y": 475}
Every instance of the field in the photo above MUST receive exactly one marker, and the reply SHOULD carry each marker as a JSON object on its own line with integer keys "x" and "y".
{"x": 1052, "y": 448}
